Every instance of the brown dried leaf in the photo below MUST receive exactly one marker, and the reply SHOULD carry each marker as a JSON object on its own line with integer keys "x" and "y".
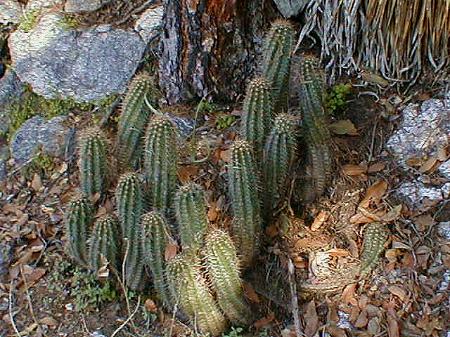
{"x": 354, "y": 170}
{"x": 272, "y": 231}
{"x": 170, "y": 251}
{"x": 320, "y": 220}
{"x": 362, "y": 319}
{"x": 344, "y": 127}
{"x": 260, "y": 323}
{"x": 377, "y": 167}
{"x": 399, "y": 292}
{"x": 49, "y": 321}
{"x": 311, "y": 319}
{"x": 250, "y": 293}
{"x": 428, "y": 165}
{"x": 150, "y": 305}
{"x": 374, "y": 193}
{"x": 186, "y": 172}
{"x": 348, "y": 294}
{"x": 393, "y": 214}
{"x": 36, "y": 183}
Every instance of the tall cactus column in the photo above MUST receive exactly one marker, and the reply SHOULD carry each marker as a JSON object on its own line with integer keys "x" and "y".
{"x": 243, "y": 184}
{"x": 130, "y": 209}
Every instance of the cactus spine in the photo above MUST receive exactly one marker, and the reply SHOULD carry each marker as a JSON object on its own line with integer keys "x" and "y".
{"x": 132, "y": 121}
{"x": 257, "y": 113}
{"x": 92, "y": 163}
{"x": 375, "y": 237}
{"x": 279, "y": 154}
{"x": 277, "y": 50}
{"x": 193, "y": 294}
{"x": 79, "y": 219}
{"x": 155, "y": 239}
{"x": 130, "y": 208}
{"x": 190, "y": 212}
{"x": 243, "y": 186}
{"x": 222, "y": 264}
{"x": 160, "y": 162}
{"x": 104, "y": 241}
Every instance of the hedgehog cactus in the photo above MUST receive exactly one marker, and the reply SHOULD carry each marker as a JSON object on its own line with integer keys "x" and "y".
{"x": 160, "y": 162}
{"x": 223, "y": 270}
{"x": 104, "y": 241}
{"x": 243, "y": 184}
{"x": 279, "y": 154}
{"x": 257, "y": 113}
{"x": 190, "y": 212}
{"x": 78, "y": 220}
{"x": 132, "y": 122}
{"x": 312, "y": 78}
{"x": 193, "y": 295}
{"x": 375, "y": 237}
{"x": 277, "y": 51}
{"x": 130, "y": 208}
{"x": 155, "y": 235}
{"x": 92, "y": 163}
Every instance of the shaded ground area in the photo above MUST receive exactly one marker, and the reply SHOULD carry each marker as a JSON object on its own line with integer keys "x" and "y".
{"x": 43, "y": 294}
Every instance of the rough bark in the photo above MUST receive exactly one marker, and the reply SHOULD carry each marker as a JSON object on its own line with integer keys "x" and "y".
{"x": 210, "y": 47}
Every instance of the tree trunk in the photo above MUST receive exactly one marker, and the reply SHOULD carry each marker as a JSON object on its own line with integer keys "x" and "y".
{"x": 209, "y": 48}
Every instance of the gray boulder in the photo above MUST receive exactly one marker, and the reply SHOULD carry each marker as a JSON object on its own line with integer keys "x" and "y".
{"x": 4, "y": 156}
{"x": 289, "y": 8}
{"x": 84, "y": 65}
{"x": 76, "y": 6}
{"x": 11, "y": 90}
{"x": 149, "y": 24}
{"x": 420, "y": 197}
{"x": 444, "y": 169}
{"x": 37, "y": 134}
{"x": 10, "y": 11}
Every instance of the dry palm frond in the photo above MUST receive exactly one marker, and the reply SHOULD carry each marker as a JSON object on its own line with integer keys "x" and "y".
{"x": 400, "y": 39}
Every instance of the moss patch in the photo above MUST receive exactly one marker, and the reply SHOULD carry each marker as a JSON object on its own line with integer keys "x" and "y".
{"x": 29, "y": 20}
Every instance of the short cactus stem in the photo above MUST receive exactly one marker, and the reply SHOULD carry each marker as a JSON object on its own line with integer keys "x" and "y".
{"x": 156, "y": 237}
{"x": 104, "y": 243}
{"x": 312, "y": 78}
{"x": 257, "y": 113}
{"x": 92, "y": 163}
{"x": 223, "y": 270}
{"x": 160, "y": 162}
{"x": 193, "y": 295}
{"x": 279, "y": 154}
{"x": 243, "y": 184}
{"x": 190, "y": 212}
{"x": 132, "y": 122}
{"x": 78, "y": 221}
{"x": 375, "y": 237}
{"x": 277, "y": 51}
{"x": 130, "y": 208}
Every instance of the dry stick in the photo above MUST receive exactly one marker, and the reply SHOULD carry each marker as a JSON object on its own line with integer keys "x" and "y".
{"x": 294, "y": 299}
{"x": 11, "y": 316}
{"x": 130, "y": 317}
{"x": 30, "y": 306}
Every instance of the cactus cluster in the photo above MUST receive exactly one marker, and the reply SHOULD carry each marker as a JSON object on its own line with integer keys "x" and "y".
{"x": 104, "y": 242}
{"x": 129, "y": 201}
{"x": 276, "y": 63}
{"x": 92, "y": 163}
{"x": 160, "y": 162}
{"x": 132, "y": 122}
{"x": 375, "y": 237}
{"x": 243, "y": 185}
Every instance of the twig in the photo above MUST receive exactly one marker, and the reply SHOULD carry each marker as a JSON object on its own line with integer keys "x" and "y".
{"x": 11, "y": 316}
{"x": 122, "y": 280}
{"x": 130, "y": 317}
{"x": 294, "y": 299}
{"x": 30, "y": 306}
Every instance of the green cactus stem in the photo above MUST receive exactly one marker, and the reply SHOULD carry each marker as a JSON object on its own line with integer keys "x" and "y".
{"x": 312, "y": 78}
{"x": 223, "y": 270}
{"x": 156, "y": 237}
{"x": 160, "y": 162}
{"x": 132, "y": 122}
{"x": 190, "y": 212}
{"x": 104, "y": 242}
{"x": 130, "y": 208}
{"x": 92, "y": 164}
{"x": 277, "y": 51}
{"x": 375, "y": 236}
{"x": 79, "y": 218}
{"x": 257, "y": 113}
{"x": 193, "y": 295}
{"x": 243, "y": 183}
{"x": 279, "y": 154}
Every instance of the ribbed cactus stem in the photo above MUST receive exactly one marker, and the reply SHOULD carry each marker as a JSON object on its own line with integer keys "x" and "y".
{"x": 156, "y": 237}
{"x": 160, "y": 162}
{"x": 79, "y": 218}
{"x": 312, "y": 79}
{"x": 190, "y": 212}
{"x": 375, "y": 236}
{"x": 243, "y": 184}
{"x": 277, "y": 51}
{"x": 130, "y": 208}
{"x": 223, "y": 270}
{"x": 279, "y": 154}
{"x": 104, "y": 243}
{"x": 92, "y": 164}
{"x": 193, "y": 295}
{"x": 132, "y": 122}
{"x": 257, "y": 113}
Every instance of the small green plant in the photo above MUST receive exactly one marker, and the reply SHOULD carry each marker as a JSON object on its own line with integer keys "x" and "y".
{"x": 29, "y": 20}
{"x": 336, "y": 99}
{"x": 205, "y": 106}
{"x": 41, "y": 164}
{"x": 225, "y": 121}
{"x": 234, "y": 332}
{"x": 69, "y": 22}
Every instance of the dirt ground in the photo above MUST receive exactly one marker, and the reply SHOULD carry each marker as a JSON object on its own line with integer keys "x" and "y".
{"x": 45, "y": 294}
